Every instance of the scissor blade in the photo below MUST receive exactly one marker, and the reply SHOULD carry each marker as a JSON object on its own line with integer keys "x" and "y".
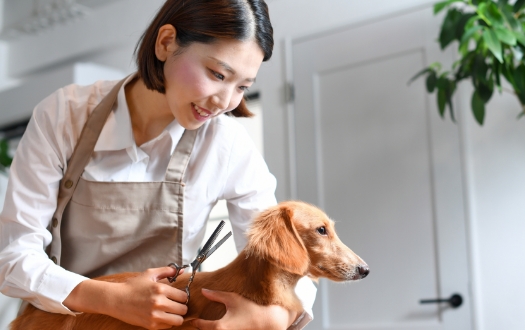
{"x": 212, "y": 238}
{"x": 219, "y": 243}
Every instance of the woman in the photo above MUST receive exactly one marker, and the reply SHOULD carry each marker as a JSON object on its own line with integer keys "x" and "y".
{"x": 121, "y": 176}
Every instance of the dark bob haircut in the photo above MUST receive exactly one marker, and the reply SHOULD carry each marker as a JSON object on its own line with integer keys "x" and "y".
{"x": 204, "y": 21}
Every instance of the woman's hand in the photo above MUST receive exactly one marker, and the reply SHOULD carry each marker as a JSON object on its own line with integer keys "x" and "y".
{"x": 141, "y": 300}
{"x": 242, "y": 313}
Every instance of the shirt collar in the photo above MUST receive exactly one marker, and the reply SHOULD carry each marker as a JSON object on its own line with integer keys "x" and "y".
{"x": 117, "y": 133}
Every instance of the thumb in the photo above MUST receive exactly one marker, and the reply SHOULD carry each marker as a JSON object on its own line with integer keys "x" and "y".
{"x": 218, "y": 296}
{"x": 203, "y": 324}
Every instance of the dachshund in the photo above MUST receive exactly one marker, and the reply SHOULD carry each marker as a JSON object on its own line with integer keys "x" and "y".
{"x": 285, "y": 242}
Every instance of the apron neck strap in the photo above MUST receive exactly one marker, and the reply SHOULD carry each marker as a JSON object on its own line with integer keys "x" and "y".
{"x": 88, "y": 138}
{"x": 181, "y": 156}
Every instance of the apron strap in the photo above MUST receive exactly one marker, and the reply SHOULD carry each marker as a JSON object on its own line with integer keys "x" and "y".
{"x": 181, "y": 157}
{"x": 78, "y": 161}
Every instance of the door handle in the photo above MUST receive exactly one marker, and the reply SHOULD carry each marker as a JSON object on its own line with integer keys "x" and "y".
{"x": 454, "y": 301}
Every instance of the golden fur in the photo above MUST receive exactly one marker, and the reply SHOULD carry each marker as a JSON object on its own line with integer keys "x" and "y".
{"x": 285, "y": 243}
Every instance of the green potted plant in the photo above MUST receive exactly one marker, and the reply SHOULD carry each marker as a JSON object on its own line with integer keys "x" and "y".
{"x": 5, "y": 157}
{"x": 490, "y": 36}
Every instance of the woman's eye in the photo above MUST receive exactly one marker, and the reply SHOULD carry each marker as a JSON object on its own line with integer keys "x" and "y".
{"x": 217, "y": 75}
{"x": 322, "y": 231}
{"x": 244, "y": 88}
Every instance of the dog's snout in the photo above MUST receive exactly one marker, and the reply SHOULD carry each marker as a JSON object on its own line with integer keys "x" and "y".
{"x": 363, "y": 271}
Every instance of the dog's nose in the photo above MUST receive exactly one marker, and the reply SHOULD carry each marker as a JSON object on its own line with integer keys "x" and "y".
{"x": 363, "y": 271}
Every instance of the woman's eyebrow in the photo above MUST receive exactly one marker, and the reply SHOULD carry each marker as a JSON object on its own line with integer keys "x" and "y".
{"x": 225, "y": 65}
{"x": 228, "y": 68}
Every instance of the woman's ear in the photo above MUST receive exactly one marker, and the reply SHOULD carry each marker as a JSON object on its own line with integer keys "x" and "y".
{"x": 274, "y": 237}
{"x": 166, "y": 43}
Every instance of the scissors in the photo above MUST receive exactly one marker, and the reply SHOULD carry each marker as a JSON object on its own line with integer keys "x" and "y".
{"x": 205, "y": 252}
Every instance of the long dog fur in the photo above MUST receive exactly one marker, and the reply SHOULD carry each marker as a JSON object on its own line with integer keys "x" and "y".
{"x": 285, "y": 242}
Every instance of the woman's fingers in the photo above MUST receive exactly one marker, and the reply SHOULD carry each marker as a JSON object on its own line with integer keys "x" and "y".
{"x": 204, "y": 325}
{"x": 167, "y": 321}
{"x": 223, "y": 297}
{"x": 176, "y": 295}
{"x": 146, "y": 302}
{"x": 161, "y": 273}
{"x": 244, "y": 314}
{"x": 176, "y": 300}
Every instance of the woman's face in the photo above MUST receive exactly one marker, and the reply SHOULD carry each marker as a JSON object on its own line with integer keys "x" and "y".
{"x": 207, "y": 80}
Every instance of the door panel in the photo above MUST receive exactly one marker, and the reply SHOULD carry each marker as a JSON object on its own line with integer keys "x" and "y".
{"x": 380, "y": 170}
{"x": 368, "y": 153}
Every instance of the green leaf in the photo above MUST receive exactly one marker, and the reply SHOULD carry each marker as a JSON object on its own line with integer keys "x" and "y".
{"x": 431, "y": 81}
{"x": 479, "y": 69}
{"x": 485, "y": 90}
{"x": 469, "y": 33}
{"x": 448, "y": 29}
{"x": 471, "y": 21}
{"x": 5, "y": 159}
{"x": 505, "y": 35}
{"x": 509, "y": 17}
{"x": 446, "y": 88}
{"x": 419, "y": 74}
{"x": 462, "y": 24}
{"x": 438, "y": 7}
{"x": 508, "y": 73}
{"x": 494, "y": 45}
{"x": 519, "y": 78}
{"x": 449, "y": 92}
{"x": 496, "y": 69}
{"x": 478, "y": 108}
{"x": 520, "y": 37}
{"x": 441, "y": 101}
{"x": 521, "y": 97}
{"x": 519, "y": 82}
{"x": 518, "y": 5}
{"x": 494, "y": 14}
{"x": 482, "y": 12}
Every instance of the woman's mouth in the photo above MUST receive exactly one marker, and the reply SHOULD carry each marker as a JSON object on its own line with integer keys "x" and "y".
{"x": 200, "y": 113}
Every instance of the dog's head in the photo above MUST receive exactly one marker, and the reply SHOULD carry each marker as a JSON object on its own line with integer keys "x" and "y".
{"x": 301, "y": 239}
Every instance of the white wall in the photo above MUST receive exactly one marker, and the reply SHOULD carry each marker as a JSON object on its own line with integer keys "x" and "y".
{"x": 494, "y": 160}
{"x": 494, "y": 156}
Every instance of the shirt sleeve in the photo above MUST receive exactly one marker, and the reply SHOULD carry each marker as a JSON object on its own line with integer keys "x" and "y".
{"x": 25, "y": 270}
{"x": 249, "y": 189}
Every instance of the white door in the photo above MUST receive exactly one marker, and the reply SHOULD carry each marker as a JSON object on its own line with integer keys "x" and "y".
{"x": 375, "y": 155}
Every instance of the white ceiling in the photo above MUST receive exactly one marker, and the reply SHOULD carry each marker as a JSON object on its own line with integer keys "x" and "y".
{"x": 21, "y": 14}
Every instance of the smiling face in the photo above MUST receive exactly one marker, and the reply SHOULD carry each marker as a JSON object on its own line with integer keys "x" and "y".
{"x": 205, "y": 80}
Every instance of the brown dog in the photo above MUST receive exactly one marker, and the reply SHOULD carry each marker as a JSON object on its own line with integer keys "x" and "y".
{"x": 285, "y": 243}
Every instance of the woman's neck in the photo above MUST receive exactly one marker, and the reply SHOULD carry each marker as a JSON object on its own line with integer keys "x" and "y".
{"x": 148, "y": 110}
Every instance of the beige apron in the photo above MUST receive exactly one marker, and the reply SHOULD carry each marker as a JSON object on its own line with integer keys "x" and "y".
{"x": 107, "y": 227}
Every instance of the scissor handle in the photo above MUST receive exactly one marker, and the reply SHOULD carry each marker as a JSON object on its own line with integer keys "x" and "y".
{"x": 178, "y": 268}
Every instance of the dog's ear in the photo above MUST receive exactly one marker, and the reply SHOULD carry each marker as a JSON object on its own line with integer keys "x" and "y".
{"x": 274, "y": 237}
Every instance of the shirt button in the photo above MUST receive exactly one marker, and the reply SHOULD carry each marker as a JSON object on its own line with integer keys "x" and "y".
{"x": 54, "y": 259}
{"x": 55, "y": 222}
{"x": 69, "y": 184}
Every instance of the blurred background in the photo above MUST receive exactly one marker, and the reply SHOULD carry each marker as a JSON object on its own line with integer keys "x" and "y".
{"x": 435, "y": 207}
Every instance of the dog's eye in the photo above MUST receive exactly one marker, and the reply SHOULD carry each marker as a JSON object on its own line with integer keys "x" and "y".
{"x": 322, "y": 231}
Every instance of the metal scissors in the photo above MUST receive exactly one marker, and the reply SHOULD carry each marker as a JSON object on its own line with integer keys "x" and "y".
{"x": 205, "y": 252}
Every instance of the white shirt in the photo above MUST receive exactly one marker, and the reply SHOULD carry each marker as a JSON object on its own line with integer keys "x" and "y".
{"x": 224, "y": 164}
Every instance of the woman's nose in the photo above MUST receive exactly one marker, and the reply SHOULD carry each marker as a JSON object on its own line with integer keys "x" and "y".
{"x": 222, "y": 99}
